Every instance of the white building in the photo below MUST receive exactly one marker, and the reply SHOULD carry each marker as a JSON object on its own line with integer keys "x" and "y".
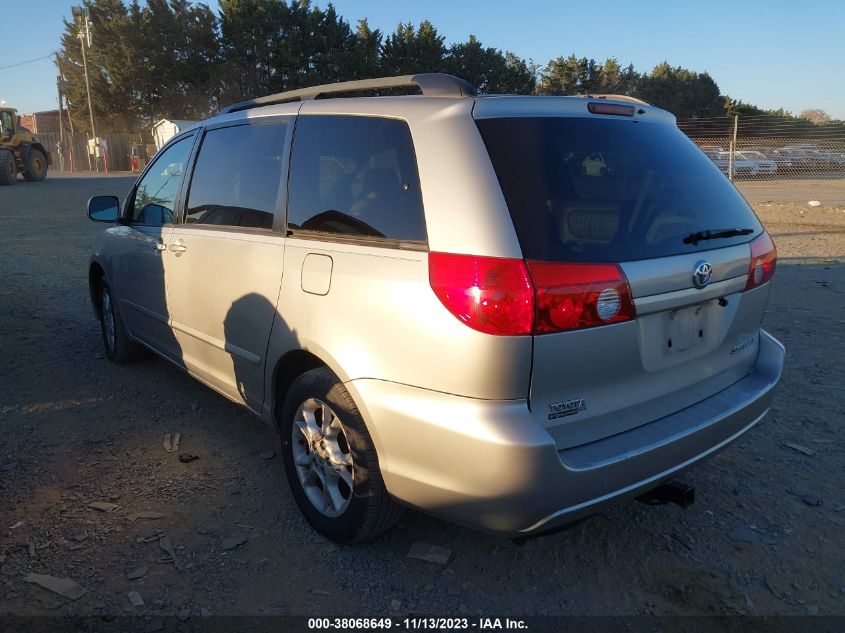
{"x": 166, "y": 129}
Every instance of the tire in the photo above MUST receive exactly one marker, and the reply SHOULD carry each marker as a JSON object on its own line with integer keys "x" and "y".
{"x": 366, "y": 510}
{"x": 8, "y": 168}
{"x": 120, "y": 348}
{"x": 34, "y": 164}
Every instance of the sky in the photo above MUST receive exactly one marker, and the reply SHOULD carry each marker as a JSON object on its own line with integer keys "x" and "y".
{"x": 774, "y": 53}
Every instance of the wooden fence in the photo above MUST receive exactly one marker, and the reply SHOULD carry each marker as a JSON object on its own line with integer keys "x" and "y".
{"x": 75, "y": 150}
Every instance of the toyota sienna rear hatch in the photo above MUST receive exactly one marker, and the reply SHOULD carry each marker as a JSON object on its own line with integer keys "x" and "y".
{"x": 650, "y": 270}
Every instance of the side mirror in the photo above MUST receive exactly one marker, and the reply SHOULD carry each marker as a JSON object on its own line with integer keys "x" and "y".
{"x": 104, "y": 208}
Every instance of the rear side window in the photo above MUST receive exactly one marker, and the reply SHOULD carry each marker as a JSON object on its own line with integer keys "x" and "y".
{"x": 599, "y": 190}
{"x": 237, "y": 176}
{"x": 355, "y": 176}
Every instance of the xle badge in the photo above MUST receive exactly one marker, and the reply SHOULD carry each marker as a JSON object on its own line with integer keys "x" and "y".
{"x": 567, "y": 407}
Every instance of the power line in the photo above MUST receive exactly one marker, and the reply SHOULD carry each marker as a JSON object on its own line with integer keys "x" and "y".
{"x": 29, "y": 61}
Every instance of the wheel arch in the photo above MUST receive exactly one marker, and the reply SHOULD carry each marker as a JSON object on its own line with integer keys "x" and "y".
{"x": 287, "y": 369}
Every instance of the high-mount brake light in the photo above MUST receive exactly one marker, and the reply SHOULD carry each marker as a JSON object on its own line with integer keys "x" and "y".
{"x": 611, "y": 108}
{"x": 763, "y": 261}
{"x": 512, "y": 297}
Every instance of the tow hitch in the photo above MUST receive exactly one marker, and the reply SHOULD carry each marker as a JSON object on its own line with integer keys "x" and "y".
{"x": 675, "y": 492}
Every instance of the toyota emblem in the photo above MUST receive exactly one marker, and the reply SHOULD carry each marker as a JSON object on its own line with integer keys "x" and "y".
{"x": 702, "y": 273}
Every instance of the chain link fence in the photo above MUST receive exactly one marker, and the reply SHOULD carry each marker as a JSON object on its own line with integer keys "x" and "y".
{"x": 767, "y": 147}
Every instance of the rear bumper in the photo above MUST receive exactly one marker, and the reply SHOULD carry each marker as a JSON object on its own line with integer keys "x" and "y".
{"x": 489, "y": 465}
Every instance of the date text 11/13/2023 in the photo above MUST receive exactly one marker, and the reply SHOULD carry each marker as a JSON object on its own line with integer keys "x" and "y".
{"x": 417, "y": 623}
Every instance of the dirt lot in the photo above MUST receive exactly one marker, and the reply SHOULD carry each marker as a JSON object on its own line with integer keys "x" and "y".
{"x": 766, "y": 535}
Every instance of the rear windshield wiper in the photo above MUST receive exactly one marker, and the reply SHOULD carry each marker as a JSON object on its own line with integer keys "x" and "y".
{"x": 700, "y": 236}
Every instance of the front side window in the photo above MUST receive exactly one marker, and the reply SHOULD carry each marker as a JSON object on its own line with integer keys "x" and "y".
{"x": 155, "y": 196}
{"x": 237, "y": 176}
{"x": 355, "y": 176}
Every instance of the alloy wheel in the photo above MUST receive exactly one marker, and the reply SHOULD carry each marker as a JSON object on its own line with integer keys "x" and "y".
{"x": 322, "y": 457}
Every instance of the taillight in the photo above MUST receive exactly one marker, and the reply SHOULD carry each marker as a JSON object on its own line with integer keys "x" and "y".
{"x": 763, "y": 260}
{"x": 489, "y": 294}
{"x": 514, "y": 297}
{"x": 575, "y": 296}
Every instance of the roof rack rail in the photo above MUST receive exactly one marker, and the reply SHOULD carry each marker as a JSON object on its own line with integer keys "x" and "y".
{"x": 617, "y": 98}
{"x": 431, "y": 85}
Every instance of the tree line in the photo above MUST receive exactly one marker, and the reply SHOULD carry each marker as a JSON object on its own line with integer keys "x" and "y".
{"x": 179, "y": 59}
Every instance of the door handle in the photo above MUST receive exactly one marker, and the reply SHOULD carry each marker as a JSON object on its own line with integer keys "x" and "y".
{"x": 161, "y": 246}
{"x": 178, "y": 248}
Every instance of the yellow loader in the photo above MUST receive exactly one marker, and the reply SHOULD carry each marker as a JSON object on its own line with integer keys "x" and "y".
{"x": 20, "y": 151}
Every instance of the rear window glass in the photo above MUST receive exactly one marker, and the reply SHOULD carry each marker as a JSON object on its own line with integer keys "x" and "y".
{"x": 355, "y": 176}
{"x": 598, "y": 190}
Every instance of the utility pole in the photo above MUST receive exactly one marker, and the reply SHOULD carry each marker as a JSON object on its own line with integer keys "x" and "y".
{"x": 70, "y": 149}
{"x": 61, "y": 147}
{"x": 64, "y": 105}
{"x": 85, "y": 38}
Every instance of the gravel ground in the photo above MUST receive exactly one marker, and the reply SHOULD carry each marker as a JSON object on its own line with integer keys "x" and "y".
{"x": 764, "y": 537}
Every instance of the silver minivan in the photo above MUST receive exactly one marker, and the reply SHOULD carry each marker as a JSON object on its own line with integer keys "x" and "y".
{"x": 507, "y": 311}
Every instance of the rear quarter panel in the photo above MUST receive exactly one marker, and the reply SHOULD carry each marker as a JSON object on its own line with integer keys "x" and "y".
{"x": 380, "y": 319}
